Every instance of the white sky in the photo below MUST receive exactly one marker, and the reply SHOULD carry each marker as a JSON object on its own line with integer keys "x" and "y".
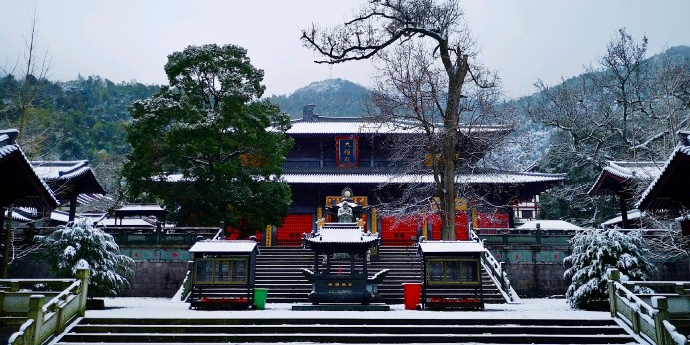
{"x": 125, "y": 40}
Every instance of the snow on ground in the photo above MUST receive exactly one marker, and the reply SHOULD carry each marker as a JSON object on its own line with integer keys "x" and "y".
{"x": 124, "y": 307}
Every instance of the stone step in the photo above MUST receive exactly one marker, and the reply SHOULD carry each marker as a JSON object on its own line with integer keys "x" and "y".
{"x": 344, "y": 331}
{"x": 278, "y": 269}
{"x": 325, "y": 328}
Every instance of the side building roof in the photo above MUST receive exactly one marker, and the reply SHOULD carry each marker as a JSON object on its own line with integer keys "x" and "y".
{"x": 617, "y": 176}
{"x": 669, "y": 190}
{"x": 20, "y": 184}
{"x": 69, "y": 178}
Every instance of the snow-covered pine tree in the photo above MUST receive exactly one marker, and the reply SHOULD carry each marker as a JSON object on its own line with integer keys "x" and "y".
{"x": 83, "y": 246}
{"x": 593, "y": 253}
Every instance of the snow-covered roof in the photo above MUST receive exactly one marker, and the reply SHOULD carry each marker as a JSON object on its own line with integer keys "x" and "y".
{"x": 93, "y": 218}
{"x": 18, "y": 217}
{"x": 476, "y": 178}
{"x": 634, "y": 170}
{"x": 45, "y": 196}
{"x": 85, "y": 199}
{"x": 632, "y": 214}
{"x": 621, "y": 171}
{"x": 53, "y": 170}
{"x": 68, "y": 178}
{"x": 137, "y": 222}
{"x": 449, "y": 247}
{"x": 365, "y": 127}
{"x": 681, "y": 152}
{"x": 342, "y": 235}
{"x": 549, "y": 225}
{"x": 140, "y": 207}
{"x": 223, "y": 247}
{"x": 60, "y": 216}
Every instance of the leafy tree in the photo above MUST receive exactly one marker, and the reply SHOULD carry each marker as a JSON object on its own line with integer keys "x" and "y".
{"x": 209, "y": 127}
{"x": 80, "y": 245}
{"x": 593, "y": 253}
{"x": 427, "y": 81}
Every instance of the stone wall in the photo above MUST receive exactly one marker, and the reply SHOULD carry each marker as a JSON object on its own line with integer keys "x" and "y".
{"x": 151, "y": 278}
{"x": 157, "y": 278}
{"x": 546, "y": 279}
{"x": 537, "y": 280}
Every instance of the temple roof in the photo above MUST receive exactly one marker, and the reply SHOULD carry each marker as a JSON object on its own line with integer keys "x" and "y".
{"x": 223, "y": 247}
{"x": 20, "y": 184}
{"x": 618, "y": 220}
{"x": 341, "y": 235}
{"x": 450, "y": 247}
{"x": 69, "y": 178}
{"x": 616, "y": 176}
{"x": 358, "y": 126}
{"x": 134, "y": 210}
{"x": 547, "y": 224}
{"x": 493, "y": 177}
{"x": 669, "y": 190}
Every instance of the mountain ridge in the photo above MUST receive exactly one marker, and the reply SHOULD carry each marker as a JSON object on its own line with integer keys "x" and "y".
{"x": 333, "y": 97}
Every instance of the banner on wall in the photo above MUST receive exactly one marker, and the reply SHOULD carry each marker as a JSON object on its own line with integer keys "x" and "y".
{"x": 346, "y": 154}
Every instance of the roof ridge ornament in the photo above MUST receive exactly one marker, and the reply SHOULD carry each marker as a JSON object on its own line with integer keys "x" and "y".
{"x": 308, "y": 113}
{"x": 684, "y": 137}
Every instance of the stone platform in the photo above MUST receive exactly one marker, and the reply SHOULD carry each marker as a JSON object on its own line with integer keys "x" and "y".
{"x": 342, "y": 307}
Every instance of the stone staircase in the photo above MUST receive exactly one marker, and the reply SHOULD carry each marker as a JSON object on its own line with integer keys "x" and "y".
{"x": 278, "y": 270}
{"x": 279, "y": 330}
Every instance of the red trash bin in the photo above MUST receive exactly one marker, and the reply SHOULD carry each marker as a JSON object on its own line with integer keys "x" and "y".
{"x": 411, "y": 293}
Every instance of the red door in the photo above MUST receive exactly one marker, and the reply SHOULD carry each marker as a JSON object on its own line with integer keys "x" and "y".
{"x": 399, "y": 231}
{"x": 493, "y": 221}
{"x": 461, "y": 233}
{"x": 460, "y": 226}
{"x": 294, "y": 226}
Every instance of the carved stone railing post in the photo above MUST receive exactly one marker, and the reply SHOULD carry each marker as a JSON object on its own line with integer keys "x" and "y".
{"x": 614, "y": 276}
{"x": 503, "y": 276}
{"x": 83, "y": 275}
{"x": 661, "y": 304}
{"x": 36, "y": 313}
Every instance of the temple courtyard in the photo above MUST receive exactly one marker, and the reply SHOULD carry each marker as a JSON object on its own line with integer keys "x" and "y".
{"x": 166, "y": 321}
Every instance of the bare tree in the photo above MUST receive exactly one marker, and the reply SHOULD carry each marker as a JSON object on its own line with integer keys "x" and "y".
{"x": 668, "y": 106}
{"x": 429, "y": 89}
{"x": 33, "y": 68}
{"x": 624, "y": 79}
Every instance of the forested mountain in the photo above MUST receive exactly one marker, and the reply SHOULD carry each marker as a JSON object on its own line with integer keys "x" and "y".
{"x": 73, "y": 120}
{"x": 333, "y": 97}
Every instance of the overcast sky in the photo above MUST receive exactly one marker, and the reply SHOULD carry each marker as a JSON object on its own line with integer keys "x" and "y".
{"x": 126, "y": 40}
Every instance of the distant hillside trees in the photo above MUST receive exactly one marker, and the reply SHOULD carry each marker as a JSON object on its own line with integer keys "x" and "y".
{"x": 210, "y": 130}
{"x": 334, "y": 97}
{"x": 78, "y": 119}
{"x": 628, "y": 109}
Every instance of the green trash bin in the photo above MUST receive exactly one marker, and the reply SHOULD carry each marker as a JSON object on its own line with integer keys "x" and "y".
{"x": 260, "y": 298}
